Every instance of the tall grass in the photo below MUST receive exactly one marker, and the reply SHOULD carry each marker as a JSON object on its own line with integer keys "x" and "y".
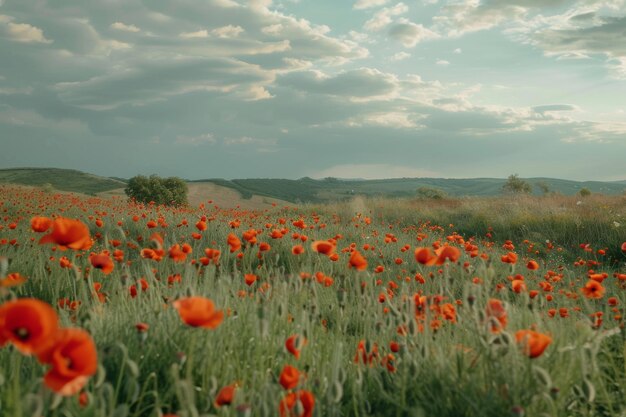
{"x": 458, "y": 369}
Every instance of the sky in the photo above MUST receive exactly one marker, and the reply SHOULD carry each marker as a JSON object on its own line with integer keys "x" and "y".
{"x": 293, "y": 88}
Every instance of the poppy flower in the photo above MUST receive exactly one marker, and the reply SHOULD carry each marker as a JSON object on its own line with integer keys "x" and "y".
{"x": 250, "y": 279}
{"x": 102, "y": 261}
{"x": 450, "y": 253}
{"x": 324, "y": 247}
{"x": 509, "y": 258}
{"x": 289, "y": 377}
{"x": 532, "y": 265}
{"x": 68, "y": 233}
{"x": 29, "y": 324}
{"x": 297, "y": 250}
{"x": 497, "y": 315}
{"x": 593, "y": 290}
{"x": 177, "y": 254}
{"x": 357, "y": 261}
{"x": 225, "y": 396}
{"x": 532, "y": 342}
{"x": 234, "y": 243}
{"x": 40, "y": 224}
{"x": 425, "y": 256}
{"x": 199, "y": 312}
{"x": 201, "y": 226}
{"x": 12, "y": 280}
{"x": 623, "y": 247}
{"x": 287, "y": 406}
{"x": 518, "y": 286}
{"x": 293, "y": 343}
{"x": 73, "y": 358}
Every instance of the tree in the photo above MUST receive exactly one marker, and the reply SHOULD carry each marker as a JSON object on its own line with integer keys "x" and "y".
{"x": 515, "y": 185}
{"x": 167, "y": 191}
{"x": 430, "y": 193}
{"x": 584, "y": 192}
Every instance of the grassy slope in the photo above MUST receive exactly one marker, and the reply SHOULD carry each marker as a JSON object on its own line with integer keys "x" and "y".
{"x": 307, "y": 189}
{"x": 61, "y": 179}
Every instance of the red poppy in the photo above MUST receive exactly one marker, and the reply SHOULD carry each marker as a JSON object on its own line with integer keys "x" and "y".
{"x": 12, "y": 280}
{"x": 289, "y": 377}
{"x": 73, "y": 358}
{"x": 199, "y": 312}
{"x": 225, "y": 396}
{"x": 102, "y": 261}
{"x": 532, "y": 265}
{"x": 40, "y": 224}
{"x": 357, "y": 261}
{"x": 68, "y": 233}
{"x": 532, "y": 342}
{"x": 250, "y": 279}
{"x": 234, "y": 243}
{"x": 293, "y": 344}
{"x": 425, "y": 256}
{"x": 497, "y": 315}
{"x": 324, "y": 247}
{"x": 287, "y": 406}
{"x": 593, "y": 289}
{"x": 29, "y": 324}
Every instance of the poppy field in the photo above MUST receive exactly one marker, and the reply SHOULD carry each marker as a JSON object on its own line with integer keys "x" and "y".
{"x": 488, "y": 307}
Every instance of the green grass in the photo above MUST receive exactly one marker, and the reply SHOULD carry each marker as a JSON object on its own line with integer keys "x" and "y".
{"x": 60, "y": 179}
{"x": 460, "y": 369}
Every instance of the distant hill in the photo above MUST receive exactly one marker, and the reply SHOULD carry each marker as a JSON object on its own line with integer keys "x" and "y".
{"x": 60, "y": 179}
{"x": 304, "y": 189}
{"x": 310, "y": 190}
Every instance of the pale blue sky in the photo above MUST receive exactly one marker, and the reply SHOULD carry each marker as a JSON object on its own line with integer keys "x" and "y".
{"x": 292, "y": 88}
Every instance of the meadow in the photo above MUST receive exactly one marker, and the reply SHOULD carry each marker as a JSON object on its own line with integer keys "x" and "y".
{"x": 499, "y": 306}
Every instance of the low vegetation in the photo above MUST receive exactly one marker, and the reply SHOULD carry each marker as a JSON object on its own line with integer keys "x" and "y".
{"x": 473, "y": 307}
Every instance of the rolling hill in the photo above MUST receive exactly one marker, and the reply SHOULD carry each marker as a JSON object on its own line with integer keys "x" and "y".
{"x": 60, "y": 179}
{"x": 261, "y": 192}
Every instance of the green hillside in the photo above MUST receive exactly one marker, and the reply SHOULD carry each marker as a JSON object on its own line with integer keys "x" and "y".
{"x": 311, "y": 190}
{"x": 60, "y": 179}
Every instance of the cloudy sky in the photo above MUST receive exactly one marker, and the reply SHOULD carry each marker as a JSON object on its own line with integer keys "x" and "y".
{"x": 293, "y": 88}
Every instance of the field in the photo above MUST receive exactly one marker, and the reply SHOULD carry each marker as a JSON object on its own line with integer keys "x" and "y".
{"x": 498, "y": 306}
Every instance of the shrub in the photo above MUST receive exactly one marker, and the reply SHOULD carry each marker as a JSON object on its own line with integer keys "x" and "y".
{"x": 515, "y": 185}
{"x": 167, "y": 191}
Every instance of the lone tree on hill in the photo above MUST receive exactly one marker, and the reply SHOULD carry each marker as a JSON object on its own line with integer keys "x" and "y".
{"x": 515, "y": 185}
{"x": 430, "y": 193}
{"x": 167, "y": 191}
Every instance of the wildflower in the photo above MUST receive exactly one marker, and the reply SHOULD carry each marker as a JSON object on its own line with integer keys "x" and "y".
{"x": 68, "y": 233}
{"x": 532, "y": 342}
{"x": 29, "y": 324}
{"x": 199, "y": 312}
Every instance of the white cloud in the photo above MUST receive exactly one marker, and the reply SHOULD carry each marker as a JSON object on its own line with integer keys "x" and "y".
{"x": 442, "y": 62}
{"x": 400, "y": 56}
{"x": 366, "y": 4}
{"x": 229, "y": 31}
{"x": 124, "y": 27}
{"x": 409, "y": 33}
{"x": 23, "y": 32}
{"x": 197, "y": 34}
{"x": 383, "y": 17}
